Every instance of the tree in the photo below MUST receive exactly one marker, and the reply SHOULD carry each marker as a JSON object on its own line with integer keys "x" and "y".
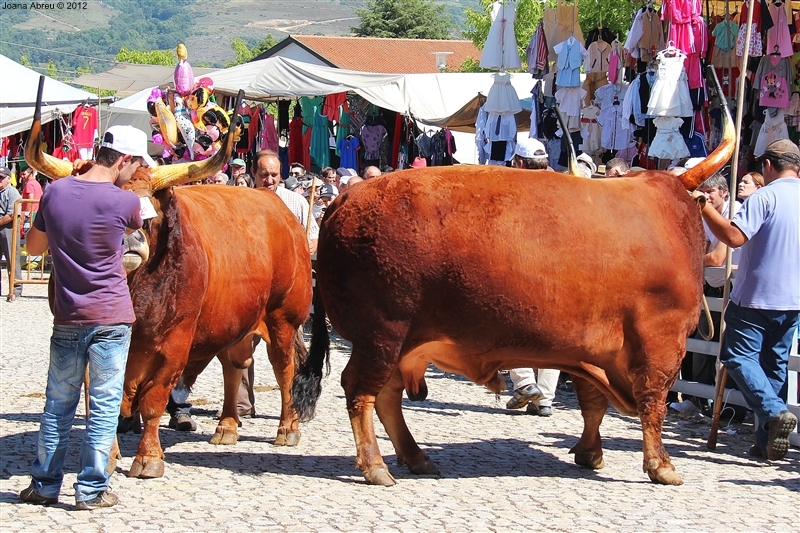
{"x": 166, "y": 58}
{"x": 410, "y": 19}
{"x": 616, "y": 15}
{"x": 245, "y": 53}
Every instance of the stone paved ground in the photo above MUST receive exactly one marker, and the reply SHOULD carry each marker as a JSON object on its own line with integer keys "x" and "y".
{"x": 501, "y": 471}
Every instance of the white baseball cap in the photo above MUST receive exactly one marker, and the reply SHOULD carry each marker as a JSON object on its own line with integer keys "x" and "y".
{"x": 530, "y": 148}
{"x": 129, "y": 141}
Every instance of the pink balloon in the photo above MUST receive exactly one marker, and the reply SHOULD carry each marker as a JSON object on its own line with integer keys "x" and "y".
{"x": 166, "y": 154}
{"x": 158, "y": 138}
{"x": 155, "y": 94}
{"x": 206, "y": 82}
{"x": 213, "y": 132}
{"x": 184, "y": 78}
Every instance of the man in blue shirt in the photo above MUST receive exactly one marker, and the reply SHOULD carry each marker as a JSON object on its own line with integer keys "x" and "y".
{"x": 762, "y": 316}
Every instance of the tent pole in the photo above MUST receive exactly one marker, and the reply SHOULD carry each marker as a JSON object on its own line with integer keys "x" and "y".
{"x": 722, "y": 374}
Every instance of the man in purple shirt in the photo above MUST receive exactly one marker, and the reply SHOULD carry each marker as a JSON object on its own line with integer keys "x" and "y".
{"x": 82, "y": 219}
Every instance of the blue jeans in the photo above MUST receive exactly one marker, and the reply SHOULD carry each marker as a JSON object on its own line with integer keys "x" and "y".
{"x": 105, "y": 348}
{"x": 755, "y": 352}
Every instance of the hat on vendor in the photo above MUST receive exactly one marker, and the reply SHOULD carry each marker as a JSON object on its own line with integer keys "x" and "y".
{"x": 530, "y": 148}
{"x": 419, "y": 162}
{"x": 782, "y": 147}
{"x": 129, "y": 141}
{"x": 586, "y": 159}
{"x": 291, "y": 183}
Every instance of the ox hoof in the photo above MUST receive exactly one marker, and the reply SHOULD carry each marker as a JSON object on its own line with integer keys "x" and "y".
{"x": 380, "y": 476}
{"x": 150, "y": 469}
{"x": 292, "y": 438}
{"x": 225, "y": 436}
{"x": 424, "y": 468}
{"x": 591, "y": 460}
{"x": 666, "y": 475}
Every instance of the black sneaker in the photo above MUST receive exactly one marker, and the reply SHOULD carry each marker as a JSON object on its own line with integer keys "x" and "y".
{"x": 182, "y": 422}
{"x": 30, "y": 495}
{"x": 104, "y": 499}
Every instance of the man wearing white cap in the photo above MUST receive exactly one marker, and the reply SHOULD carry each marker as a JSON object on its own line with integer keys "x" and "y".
{"x": 531, "y": 154}
{"x": 82, "y": 219}
{"x": 535, "y": 388}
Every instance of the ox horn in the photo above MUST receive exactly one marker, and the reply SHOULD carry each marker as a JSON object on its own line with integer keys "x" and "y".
{"x": 693, "y": 177}
{"x": 166, "y": 176}
{"x": 50, "y": 166}
{"x": 572, "y": 163}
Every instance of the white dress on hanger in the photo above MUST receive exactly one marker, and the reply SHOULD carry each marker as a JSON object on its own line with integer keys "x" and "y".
{"x": 773, "y": 129}
{"x": 668, "y": 142}
{"x": 500, "y": 51}
{"x": 669, "y": 96}
{"x": 502, "y": 98}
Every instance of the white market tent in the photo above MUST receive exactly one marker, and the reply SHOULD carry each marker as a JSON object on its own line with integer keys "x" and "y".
{"x": 423, "y": 96}
{"x": 426, "y": 97}
{"x": 18, "y": 97}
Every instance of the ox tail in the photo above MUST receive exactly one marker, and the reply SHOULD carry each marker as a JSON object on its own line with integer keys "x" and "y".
{"x": 307, "y": 385}
{"x": 692, "y": 178}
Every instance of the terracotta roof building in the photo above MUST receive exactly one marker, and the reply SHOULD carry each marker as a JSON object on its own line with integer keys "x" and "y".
{"x": 376, "y": 54}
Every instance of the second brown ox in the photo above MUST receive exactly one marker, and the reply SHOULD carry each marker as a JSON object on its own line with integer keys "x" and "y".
{"x": 217, "y": 266}
{"x": 463, "y": 268}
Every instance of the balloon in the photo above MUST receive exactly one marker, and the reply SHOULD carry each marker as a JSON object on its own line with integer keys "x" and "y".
{"x": 213, "y": 132}
{"x": 185, "y": 125}
{"x": 167, "y": 124}
{"x": 207, "y": 83}
{"x": 183, "y": 76}
{"x": 158, "y": 138}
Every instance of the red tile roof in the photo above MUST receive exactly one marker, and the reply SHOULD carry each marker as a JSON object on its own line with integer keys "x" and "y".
{"x": 388, "y": 56}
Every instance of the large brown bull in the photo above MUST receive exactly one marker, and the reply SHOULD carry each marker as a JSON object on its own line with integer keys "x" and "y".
{"x": 217, "y": 266}
{"x": 464, "y": 268}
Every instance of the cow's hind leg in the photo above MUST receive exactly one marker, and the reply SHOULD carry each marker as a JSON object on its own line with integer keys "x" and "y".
{"x": 361, "y": 383}
{"x": 281, "y": 353}
{"x": 388, "y": 405}
{"x": 227, "y": 429}
{"x": 589, "y": 450}
{"x": 652, "y": 407}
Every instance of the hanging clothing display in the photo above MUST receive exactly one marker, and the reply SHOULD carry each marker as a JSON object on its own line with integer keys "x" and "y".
{"x": 615, "y": 134}
{"x": 669, "y": 96}
{"x": 348, "y": 147}
{"x": 646, "y": 36}
{"x": 560, "y": 23}
{"x": 590, "y": 130}
{"x": 570, "y": 102}
{"x": 668, "y": 142}
{"x": 536, "y": 53}
{"x": 371, "y": 137}
{"x": 771, "y": 81}
{"x": 570, "y": 58}
{"x": 773, "y": 129}
{"x": 269, "y": 136}
{"x": 500, "y": 51}
{"x": 615, "y": 63}
{"x": 84, "y": 130}
{"x": 502, "y": 98}
{"x": 320, "y": 142}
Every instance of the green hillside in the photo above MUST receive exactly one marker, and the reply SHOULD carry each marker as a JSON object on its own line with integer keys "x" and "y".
{"x": 89, "y": 38}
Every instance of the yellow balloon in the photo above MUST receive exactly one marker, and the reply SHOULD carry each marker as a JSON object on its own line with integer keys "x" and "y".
{"x": 167, "y": 123}
{"x": 182, "y": 52}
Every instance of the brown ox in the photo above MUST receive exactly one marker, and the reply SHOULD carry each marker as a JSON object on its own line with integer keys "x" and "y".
{"x": 462, "y": 268}
{"x": 218, "y": 265}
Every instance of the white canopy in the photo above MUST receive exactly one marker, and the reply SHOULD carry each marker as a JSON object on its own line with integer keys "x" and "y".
{"x": 18, "y": 97}
{"x": 277, "y": 77}
{"x": 128, "y": 78}
{"x": 429, "y": 96}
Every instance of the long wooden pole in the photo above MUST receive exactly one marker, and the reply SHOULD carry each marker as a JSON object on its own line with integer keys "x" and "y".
{"x": 722, "y": 374}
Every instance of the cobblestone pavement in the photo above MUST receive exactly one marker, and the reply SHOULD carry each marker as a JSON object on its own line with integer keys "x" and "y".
{"x": 501, "y": 470}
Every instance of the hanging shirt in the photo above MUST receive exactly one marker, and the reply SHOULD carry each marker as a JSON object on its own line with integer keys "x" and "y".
{"x": 372, "y": 136}
{"x": 725, "y": 34}
{"x": 348, "y": 149}
{"x": 570, "y": 58}
{"x": 84, "y": 123}
{"x": 598, "y": 56}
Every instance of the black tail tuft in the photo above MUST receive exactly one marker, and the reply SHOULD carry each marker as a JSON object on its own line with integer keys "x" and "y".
{"x": 307, "y": 385}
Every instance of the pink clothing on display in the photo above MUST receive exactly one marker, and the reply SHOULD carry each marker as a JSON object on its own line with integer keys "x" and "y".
{"x": 84, "y": 122}
{"x": 269, "y": 137}
{"x": 778, "y": 37}
{"x": 613, "y": 65}
{"x": 680, "y": 15}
